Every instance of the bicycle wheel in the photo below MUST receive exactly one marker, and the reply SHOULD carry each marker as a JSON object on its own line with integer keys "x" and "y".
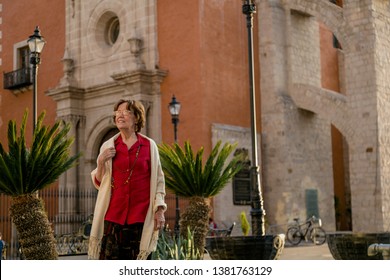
{"x": 294, "y": 235}
{"x": 318, "y": 236}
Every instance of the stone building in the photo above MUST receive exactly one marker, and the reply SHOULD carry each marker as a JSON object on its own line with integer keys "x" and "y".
{"x": 297, "y": 110}
{"x": 320, "y": 79}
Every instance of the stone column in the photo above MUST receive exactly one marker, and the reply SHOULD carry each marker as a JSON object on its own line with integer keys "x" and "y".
{"x": 70, "y": 191}
{"x": 367, "y": 84}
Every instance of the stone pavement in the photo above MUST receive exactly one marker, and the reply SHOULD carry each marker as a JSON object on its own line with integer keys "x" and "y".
{"x": 306, "y": 252}
{"x": 303, "y": 251}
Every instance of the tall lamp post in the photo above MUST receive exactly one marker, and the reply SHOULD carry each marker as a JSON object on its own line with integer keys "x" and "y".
{"x": 257, "y": 211}
{"x": 174, "y": 109}
{"x": 36, "y": 44}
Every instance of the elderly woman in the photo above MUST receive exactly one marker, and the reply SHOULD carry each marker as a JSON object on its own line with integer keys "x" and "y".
{"x": 130, "y": 204}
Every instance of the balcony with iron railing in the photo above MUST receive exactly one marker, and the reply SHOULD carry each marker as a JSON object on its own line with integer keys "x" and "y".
{"x": 18, "y": 79}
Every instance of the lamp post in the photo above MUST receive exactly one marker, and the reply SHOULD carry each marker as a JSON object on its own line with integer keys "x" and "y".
{"x": 257, "y": 211}
{"x": 174, "y": 109}
{"x": 36, "y": 44}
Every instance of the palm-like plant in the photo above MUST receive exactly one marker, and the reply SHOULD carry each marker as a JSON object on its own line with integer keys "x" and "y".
{"x": 25, "y": 171}
{"x": 187, "y": 176}
{"x": 176, "y": 248}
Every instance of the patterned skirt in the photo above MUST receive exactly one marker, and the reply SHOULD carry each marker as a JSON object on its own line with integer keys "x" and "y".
{"x": 121, "y": 242}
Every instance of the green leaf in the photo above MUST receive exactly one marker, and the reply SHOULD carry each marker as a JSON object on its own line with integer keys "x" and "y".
{"x": 187, "y": 176}
{"x": 24, "y": 171}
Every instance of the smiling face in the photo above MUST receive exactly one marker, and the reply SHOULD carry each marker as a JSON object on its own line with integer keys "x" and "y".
{"x": 124, "y": 119}
{"x": 129, "y": 114}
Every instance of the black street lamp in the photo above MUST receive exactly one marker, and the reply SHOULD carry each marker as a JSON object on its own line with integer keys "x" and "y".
{"x": 257, "y": 211}
{"x": 36, "y": 44}
{"x": 174, "y": 109}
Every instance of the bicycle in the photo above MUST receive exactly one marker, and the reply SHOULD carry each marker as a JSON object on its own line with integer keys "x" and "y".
{"x": 311, "y": 229}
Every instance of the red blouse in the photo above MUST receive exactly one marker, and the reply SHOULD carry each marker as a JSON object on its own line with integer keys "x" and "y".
{"x": 130, "y": 200}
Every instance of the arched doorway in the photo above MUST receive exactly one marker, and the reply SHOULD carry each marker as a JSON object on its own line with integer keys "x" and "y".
{"x": 108, "y": 135}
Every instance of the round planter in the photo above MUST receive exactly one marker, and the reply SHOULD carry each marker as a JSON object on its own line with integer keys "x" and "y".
{"x": 267, "y": 247}
{"x": 354, "y": 246}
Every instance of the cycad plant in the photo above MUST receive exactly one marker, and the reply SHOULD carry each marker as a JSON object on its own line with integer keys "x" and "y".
{"x": 172, "y": 248}
{"x": 25, "y": 171}
{"x": 187, "y": 176}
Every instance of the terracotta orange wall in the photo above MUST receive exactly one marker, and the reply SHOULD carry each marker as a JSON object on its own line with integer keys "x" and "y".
{"x": 179, "y": 53}
{"x": 330, "y": 80}
{"x": 329, "y": 61}
{"x": 19, "y": 21}
{"x": 225, "y": 68}
{"x": 203, "y": 45}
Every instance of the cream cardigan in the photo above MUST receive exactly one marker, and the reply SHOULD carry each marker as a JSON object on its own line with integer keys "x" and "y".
{"x": 157, "y": 195}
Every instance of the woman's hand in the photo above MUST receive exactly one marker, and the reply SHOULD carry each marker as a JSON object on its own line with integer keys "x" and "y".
{"x": 105, "y": 156}
{"x": 159, "y": 219}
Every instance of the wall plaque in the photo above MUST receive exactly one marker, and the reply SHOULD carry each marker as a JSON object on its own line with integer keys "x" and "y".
{"x": 242, "y": 188}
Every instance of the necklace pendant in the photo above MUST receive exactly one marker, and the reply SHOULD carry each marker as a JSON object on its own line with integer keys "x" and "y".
{"x": 130, "y": 170}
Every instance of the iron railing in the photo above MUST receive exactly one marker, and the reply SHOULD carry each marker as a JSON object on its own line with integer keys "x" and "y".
{"x": 18, "y": 79}
{"x": 68, "y": 228}
{"x": 75, "y": 243}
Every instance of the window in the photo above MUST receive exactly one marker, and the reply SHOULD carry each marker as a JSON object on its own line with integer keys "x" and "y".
{"x": 21, "y": 76}
{"x": 112, "y": 31}
{"x": 23, "y": 59}
{"x": 105, "y": 34}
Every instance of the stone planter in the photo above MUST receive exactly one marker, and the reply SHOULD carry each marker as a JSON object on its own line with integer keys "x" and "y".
{"x": 268, "y": 247}
{"x": 354, "y": 246}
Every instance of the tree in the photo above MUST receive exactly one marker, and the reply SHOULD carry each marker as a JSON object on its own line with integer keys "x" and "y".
{"x": 187, "y": 176}
{"x": 25, "y": 171}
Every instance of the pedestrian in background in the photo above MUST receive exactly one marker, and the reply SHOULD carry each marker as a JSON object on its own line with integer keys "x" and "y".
{"x": 2, "y": 247}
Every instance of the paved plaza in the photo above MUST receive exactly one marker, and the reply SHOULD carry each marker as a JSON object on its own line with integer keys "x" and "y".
{"x": 306, "y": 252}
{"x": 300, "y": 252}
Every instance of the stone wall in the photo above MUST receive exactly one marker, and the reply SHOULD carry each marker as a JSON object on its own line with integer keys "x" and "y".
{"x": 297, "y": 112}
{"x": 224, "y": 211}
{"x": 296, "y": 142}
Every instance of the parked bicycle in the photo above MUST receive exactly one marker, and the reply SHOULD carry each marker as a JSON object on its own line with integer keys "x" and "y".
{"x": 309, "y": 230}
